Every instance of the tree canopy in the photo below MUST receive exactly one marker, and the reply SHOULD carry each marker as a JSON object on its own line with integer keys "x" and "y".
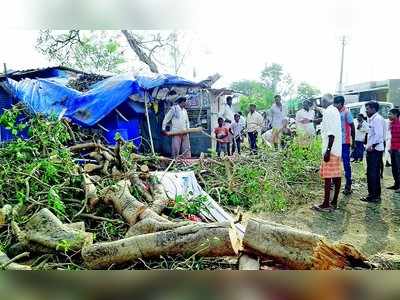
{"x": 306, "y": 91}
{"x": 254, "y": 92}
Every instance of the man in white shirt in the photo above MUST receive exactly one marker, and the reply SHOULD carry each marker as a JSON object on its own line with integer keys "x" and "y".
{"x": 228, "y": 112}
{"x": 254, "y": 125}
{"x": 178, "y": 116}
{"x": 375, "y": 149}
{"x": 305, "y": 120}
{"x": 331, "y": 134}
{"x": 277, "y": 114}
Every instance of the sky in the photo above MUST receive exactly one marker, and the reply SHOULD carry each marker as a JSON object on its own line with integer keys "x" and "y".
{"x": 237, "y": 38}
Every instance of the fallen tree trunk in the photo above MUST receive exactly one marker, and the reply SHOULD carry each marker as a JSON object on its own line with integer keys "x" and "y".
{"x": 150, "y": 225}
{"x": 124, "y": 203}
{"x": 128, "y": 206}
{"x": 298, "y": 249}
{"x": 46, "y": 229}
{"x": 209, "y": 240}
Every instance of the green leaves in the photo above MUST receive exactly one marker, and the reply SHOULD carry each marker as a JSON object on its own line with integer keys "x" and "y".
{"x": 92, "y": 51}
{"x": 37, "y": 169}
{"x": 255, "y": 92}
{"x": 54, "y": 201}
{"x": 192, "y": 206}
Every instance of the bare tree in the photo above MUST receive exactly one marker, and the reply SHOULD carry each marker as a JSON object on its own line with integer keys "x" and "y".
{"x": 140, "y": 49}
{"x": 104, "y": 50}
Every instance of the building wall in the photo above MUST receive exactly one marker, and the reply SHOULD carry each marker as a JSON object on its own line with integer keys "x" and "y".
{"x": 394, "y": 91}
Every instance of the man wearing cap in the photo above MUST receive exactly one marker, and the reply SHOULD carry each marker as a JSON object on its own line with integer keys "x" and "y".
{"x": 178, "y": 116}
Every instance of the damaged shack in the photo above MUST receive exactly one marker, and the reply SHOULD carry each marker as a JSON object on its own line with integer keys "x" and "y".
{"x": 110, "y": 106}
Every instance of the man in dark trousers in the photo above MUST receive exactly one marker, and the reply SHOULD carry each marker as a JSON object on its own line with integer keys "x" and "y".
{"x": 375, "y": 150}
{"x": 348, "y": 140}
{"x": 394, "y": 128}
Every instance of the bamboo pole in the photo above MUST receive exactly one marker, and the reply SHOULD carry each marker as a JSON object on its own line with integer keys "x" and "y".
{"x": 148, "y": 123}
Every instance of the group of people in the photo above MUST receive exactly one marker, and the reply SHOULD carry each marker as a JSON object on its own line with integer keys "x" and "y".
{"x": 341, "y": 139}
{"x": 339, "y": 135}
{"x": 232, "y": 127}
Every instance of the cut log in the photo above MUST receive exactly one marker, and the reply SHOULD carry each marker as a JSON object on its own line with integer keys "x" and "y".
{"x": 208, "y": 240}
{"x": 248, "y": 263}
{"x": 180, "y": 132}
{"x": 298, "y": 249}
{"x": 5, "y": 264}
{"x": 124, "y": 203}
{"x": 144, "y": 169}
{"x": 80, "y": 147}
{"x": 46, "y": 229}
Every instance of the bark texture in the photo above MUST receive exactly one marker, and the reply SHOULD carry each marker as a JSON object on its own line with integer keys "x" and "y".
{"x": 210, "y": 240}
{"x": 298, "y": 249}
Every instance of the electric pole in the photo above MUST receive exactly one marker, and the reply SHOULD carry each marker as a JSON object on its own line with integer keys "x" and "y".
{"x": 343, "y": 40}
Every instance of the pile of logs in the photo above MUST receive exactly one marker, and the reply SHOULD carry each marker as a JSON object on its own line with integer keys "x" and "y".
{"x": 154, "y": 234}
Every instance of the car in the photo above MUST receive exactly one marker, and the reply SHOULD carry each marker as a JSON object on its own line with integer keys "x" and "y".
{"x": 359, "y": 107}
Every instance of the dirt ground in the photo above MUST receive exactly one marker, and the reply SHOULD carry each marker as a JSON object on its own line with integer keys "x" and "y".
{"x": 372, "y": 228}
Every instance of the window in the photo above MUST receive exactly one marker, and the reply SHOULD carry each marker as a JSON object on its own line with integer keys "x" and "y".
{"x": 384, "y": 111}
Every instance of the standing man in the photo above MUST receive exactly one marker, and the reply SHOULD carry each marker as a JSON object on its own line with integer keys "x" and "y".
{"x": 305, "y": 120}
{"x": 395, "y": 147}
{"x": 237, "y": 132}
{"x": 178, "y": 116}
{"x": 277, "y": 116}
{"x": 227, "y": 112}
{"x": 361, "y": 133}
{"x": 331, "y": 133}
{"x": 254, "y": 125}
{"x": 348, "y": 140}
{"x": 375, "y": 150}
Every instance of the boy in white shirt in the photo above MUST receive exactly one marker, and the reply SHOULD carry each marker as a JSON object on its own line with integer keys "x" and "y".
{"x": 361, "y": 133}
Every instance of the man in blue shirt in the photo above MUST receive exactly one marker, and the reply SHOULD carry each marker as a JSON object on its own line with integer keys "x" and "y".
{"x": 348, "y": 139}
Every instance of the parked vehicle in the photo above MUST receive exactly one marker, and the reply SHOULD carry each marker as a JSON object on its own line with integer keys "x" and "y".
{"x": 359, "y": 107}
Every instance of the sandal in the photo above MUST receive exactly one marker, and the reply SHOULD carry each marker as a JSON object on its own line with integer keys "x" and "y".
{"x": 321, "y": 209}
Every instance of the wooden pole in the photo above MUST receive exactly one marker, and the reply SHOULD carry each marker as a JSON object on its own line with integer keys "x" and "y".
{"x": 148, "y": 123}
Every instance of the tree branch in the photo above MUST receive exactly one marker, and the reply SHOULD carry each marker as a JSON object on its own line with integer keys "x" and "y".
{"x": 144, "y": 57}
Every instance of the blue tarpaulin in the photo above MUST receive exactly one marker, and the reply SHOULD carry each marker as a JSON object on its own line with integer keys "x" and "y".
{"x": 49, "y": 96}
{"x": 99, "y": 105}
